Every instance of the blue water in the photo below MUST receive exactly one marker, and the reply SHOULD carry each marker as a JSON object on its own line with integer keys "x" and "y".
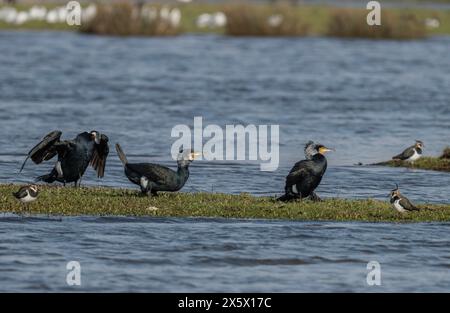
{"x": 120, "y": 254}
{"x": 367, "y": 99}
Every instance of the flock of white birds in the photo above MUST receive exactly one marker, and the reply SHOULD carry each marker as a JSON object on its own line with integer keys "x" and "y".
{"x": 11, "y": 15}
{"x": 55, "y": 15}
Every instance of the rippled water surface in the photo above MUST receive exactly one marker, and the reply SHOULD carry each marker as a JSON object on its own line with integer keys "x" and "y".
{"x": 203, "y": 255}
{"x": 368, "y": 99}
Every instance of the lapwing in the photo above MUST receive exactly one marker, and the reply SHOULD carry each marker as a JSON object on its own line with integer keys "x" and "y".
{"x": 307, "y": 174}
{"x": 154, "y": 177}
{"x": 412, "y": 153}
{"x": 27, "y": 194}
{"x": 74, "y": 156}
{"x": 400, "y": 202}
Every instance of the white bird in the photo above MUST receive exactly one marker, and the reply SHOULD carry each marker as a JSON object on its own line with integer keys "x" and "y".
{"x": 175, "y": 17}
{"x": 219, "y": 19}
{"x": 62, "y": 14}
{"x": 21, "y": 18}
{"x": 203, "y": 20}
{"x": 164, "y": 13}
{"x": 37, "y": 13}
{"x": 52, "y": 17}
{"x": 275, "y": 20}
{"x": 10, "y": 15}
{"x": 432, "y": 22}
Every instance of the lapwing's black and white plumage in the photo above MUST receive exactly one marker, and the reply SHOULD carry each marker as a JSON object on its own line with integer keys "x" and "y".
{"x": 74, "y": 156}
{"x": 412, "y": 153}
{"x": 400, "y": 202}
{"x": 27, "y": 194}
{"x": 307, "y": 174}
{"x": 154, "y": 177}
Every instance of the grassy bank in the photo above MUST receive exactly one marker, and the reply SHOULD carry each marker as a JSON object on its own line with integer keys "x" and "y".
{"x": 425, "y": 163}
{"x": 254, "y": 20}
{"x": 441, "y": 163}
{"x": 107, "y": 201}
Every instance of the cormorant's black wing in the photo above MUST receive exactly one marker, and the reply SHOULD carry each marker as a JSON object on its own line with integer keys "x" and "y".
{"x": 404, "y": 202}
{"x": 301, "y": 170}
{"x": 409, "y": 152}
{"x": 154, "y": 172}
{"x": 98, "y": 160}
{"x": 44, "y": 150}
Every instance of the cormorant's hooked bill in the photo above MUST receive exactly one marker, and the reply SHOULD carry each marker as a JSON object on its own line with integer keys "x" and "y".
{"x": 74, "y": 156}
{"x": 307, "y": 174}
{"x": 152, "y": 178}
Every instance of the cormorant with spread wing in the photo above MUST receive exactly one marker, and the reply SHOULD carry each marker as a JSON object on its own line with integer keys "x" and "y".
{"x": 74, "y": 156}
{"x": 154, "y": 177}
{"x": 306, "y": 175}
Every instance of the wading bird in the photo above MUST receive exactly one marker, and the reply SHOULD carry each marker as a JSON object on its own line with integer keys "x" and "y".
{"x": 154, "y": 177}
{"x": 400, "y": 202}
{"x": 412, "y": 153}
{"x": 306, "y": 175}
{"x": 74, "y": 156}
{"x": 27, "y": 194}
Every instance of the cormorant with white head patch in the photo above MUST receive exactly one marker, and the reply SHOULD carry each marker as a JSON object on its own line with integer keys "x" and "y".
{"x": 74, "y": 156}
{"x": 154, "y": 177}
{"x": 307, "y": 174}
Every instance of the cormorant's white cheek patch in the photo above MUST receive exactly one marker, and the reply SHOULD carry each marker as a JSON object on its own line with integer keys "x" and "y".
{"x": 294, "y": 189}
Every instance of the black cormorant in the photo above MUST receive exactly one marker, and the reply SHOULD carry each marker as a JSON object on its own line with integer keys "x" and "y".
{"x": 400, "y": 202}
{"x": 27, "y": 194}
{"x": 306, "y": 175}
{"x": 153, "y": 177}
{"x": 74, "y": 156}
{"x": 412, "y": 153}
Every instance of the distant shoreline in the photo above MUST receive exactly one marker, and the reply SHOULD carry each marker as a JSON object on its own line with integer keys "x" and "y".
{"x": 104, "y": 201}
{"x": 316, "y": 18}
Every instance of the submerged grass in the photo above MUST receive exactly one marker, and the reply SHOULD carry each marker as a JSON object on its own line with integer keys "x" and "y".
{"x": 108, "y": 201}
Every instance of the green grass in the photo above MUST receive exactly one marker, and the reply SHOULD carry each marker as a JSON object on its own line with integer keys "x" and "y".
{"x": 108, "y": 201}
{"x": 317, "y": 18}
{"x": 424, "y": 163}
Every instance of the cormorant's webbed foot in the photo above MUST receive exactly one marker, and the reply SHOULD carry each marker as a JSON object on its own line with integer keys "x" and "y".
{"x": 314, "y": 197}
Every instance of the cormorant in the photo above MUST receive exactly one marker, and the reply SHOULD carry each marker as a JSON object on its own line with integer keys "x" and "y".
{"x": 74, "y": 156}
{"x": 412, "y": 153}
{"x": 27, "y": 194}
{"x": 154, "y": 177}
{"x": 400, "y": 202}
{"x": 306, "y": 175}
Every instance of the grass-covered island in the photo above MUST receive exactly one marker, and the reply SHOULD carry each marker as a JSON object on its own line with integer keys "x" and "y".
{"x": 109, "y": 201}
{"x": 441, "y": 163}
